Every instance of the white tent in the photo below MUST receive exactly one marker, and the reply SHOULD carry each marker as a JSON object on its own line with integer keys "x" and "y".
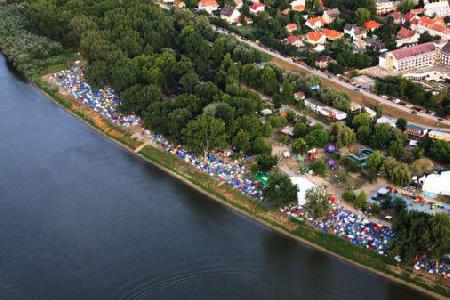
{"x": 437, "y": 183}
{"x": 303, "y": 185}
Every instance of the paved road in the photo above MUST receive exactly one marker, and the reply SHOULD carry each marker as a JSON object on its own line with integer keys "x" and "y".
{"x": 334, "y": 79}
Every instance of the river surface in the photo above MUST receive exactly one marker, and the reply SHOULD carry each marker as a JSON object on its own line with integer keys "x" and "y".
{"x": 81, "y": 218}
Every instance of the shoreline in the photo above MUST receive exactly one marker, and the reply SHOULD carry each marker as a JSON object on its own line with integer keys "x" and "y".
{"x": 110, "y": 131}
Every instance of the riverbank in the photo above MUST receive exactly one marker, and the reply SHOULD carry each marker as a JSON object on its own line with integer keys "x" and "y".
{"x": 241, "y": 203}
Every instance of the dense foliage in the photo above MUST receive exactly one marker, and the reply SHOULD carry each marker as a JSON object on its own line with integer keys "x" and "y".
{"x": 169, "y": 68}
{"x": 26, "y": 50}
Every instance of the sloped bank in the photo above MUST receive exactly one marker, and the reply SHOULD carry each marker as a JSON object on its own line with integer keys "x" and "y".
{"x": 233, "y": 199}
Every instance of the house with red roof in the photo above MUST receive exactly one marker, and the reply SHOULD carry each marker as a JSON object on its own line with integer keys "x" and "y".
{"x": 295, "y": 40}
{"x": 315, "y": 23}
{"x": 208, "y": 5}
{"x": 331, "y": 34}
{"x": 434, "y": 26}
{"x": 315, "y": 38}
{"x": 291, "y": 27}
{"x": 257, "y": 8}
{"x": 406, "y": 36}
{"x": 371, "y": 25}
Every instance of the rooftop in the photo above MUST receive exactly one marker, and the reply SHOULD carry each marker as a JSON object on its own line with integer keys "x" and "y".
{"x": 413, "y": 51}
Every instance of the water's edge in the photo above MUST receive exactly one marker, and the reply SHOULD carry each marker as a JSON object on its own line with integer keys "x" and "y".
{"x": 273, "y": 225}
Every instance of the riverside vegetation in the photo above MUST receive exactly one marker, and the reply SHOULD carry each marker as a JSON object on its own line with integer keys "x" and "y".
{"x": 176, "y": 74}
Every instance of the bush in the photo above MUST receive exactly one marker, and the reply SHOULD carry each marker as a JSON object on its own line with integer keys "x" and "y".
{"x": 319, "y": 167}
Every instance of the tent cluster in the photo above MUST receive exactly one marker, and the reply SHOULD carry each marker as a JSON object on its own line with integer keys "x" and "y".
{"x": 231, "y": 173}
{"x": 423, "y": 263}
{"x": 352, "y": 227}
{"x": 103, "y": 101}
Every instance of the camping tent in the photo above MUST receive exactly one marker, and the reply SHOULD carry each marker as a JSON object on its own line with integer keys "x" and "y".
{"x": 302, "y": 185}
{"x": 436, "y": 183}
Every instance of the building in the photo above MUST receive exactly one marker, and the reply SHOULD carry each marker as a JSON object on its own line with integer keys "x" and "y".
{"x": 238, "y": 3}
{"x": 322, "y": 62}
{"x": 230, "y": 14}
{"x": 359, "y": 44}
{"x": 179, "y": 4}
{"x": 208, "y": 5}
{"x": 291, "y": 27}
{"x": 326, "y": 111}
{"x": 257, "y": 8}
{"x": 330, "y": 15}
{"x": 415, "y": 57}
{"x": 371, "y": 25}
{"x": 438, "y": 8}
{"x": 386, "y": 120}
{"x": 315, "y": 23}
{"x": 373, "y": 43}
{"x": 315, "y": 38}
{"x": 439, "y": 135}
{"x": 434, "y": 26}
{"x": 408, "y": 57}
{"x": 399, "y": 19}
{"x": 295, "y": 40}
{"x": 415, "y": 131}
{"x": 386, "y": 6}
{"x": 406, "y": 36}
{"x": 299, "y": 96}
{"x": 355, "y": 31}
{"x": 332, "y": 35}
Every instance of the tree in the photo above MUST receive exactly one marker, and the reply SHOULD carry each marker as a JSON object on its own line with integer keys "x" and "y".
{"x": 319, "y": 167}
{"x": 361, "y": 200}
{"x": 279, "y": 191}
{"x": 440, "y": 151}
{"x": 259, "y": 146}
{"x": 349, "y": 196}
{"x": 317, "y": 138}
{"x": 397, "y": 173}
{"x": 362, "y": 15}
{"x": 345, "y": 136}
{"x": 266, "y": 162}
{"x": 299, "y": 146}
{"x": 401, "y": 124}
{"x": 421, "y": 166}
{"x": 241, "y": 142}
{"x": 317, "y": 203}
{"x": 440, "y": 235}
{"x": 204, "y": 135}
{"x": 375, "y": 162}
{"x": 406, "y": 6}
{"x": 361, "y": 119}
{"x": 301, "y": 129}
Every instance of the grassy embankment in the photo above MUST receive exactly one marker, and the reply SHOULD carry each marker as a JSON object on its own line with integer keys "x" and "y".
{"x": 233, "y": 198}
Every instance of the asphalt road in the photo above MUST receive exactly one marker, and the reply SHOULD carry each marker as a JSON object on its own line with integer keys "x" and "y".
{"x": 346, "y": 85}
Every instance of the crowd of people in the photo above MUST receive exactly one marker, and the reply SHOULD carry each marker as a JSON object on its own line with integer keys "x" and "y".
{"x": 103, "y": 101}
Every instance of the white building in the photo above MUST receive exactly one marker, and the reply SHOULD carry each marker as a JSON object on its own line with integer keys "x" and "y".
{"x": 437, "y": 184}
{"x": 386, "y": 6}
{"x": 438, "y": 8}
{"x": 230, "y": 14}
{"x": 208, "y": 5}
{"x": 387, "y": 120}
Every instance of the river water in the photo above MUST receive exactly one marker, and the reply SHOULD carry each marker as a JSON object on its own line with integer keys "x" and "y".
{"x": 81, "y": 218}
